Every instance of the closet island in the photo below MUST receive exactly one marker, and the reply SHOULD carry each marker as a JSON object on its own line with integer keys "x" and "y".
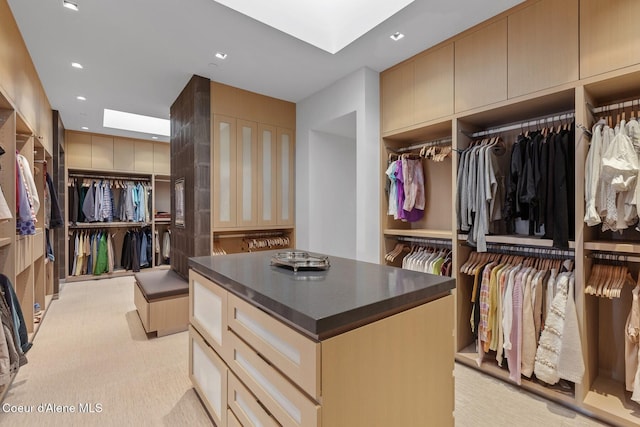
{"x": 356, "y": 344}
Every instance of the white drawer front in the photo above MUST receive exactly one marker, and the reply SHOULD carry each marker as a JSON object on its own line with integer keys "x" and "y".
{"x": 288, "y": 405}
{"x": 208, "y": 374}
{"x": 297, "y": 356}
{"x": 247, "y": 408}
{"x": 208, "y": 309}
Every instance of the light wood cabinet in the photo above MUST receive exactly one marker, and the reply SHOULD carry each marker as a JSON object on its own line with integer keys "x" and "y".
{"x": 433, "y": 84}
{"x": 396, "y": 97}
{"x": 608, "y": 36}
{"x": 162, "y": 158}
{"x": 543, "y": 46}
{"x": 253, "y": 174}
{"x": 78, "y": 150}
{"x": 481, "y": 67}
{"x": 267, "y": 175}
{"x": 101, "y": 152}
{"x": 285, "y": 176}
{"x": 246, "y": 173}
{"x": 108, "y": 153}
{"x": 123, "y": 155}
{"x": 277, "y": 376}
{"x": 224, "y": 171}
{"x": 143, "y": 155}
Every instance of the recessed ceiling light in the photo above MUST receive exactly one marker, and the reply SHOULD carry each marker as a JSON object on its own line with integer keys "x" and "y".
{"x": 396, "y": 36}
{"x": 77, "y": 65}
{"x": 221, "y": 55}
{"x": 70, "y": 5}
{"x": 154, "y": 137}
{"x": 85, "y": 128}
{"x": 81, "y": 98}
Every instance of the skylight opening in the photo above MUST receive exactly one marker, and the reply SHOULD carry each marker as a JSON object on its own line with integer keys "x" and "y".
{"x": 136, "y": 123}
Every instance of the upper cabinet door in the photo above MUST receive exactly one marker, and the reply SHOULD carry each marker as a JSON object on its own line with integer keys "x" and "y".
{"x": 543, "y": 46}
{"x": 397, "y": 93}
{"x": 285, "y": 176}
{"x": 433, "y": 84}
{"x": 78, "y": 150}
{"x": 224, "y": 171}
{"x": 162, "y": 158}
{"x": 123, "y": 155}
{"x": 143, "y": 156}
{"x": 247, "y": 173}
{"x": 101, "y": 152}
{"x": 481, "y": 67}
{"x": 608, "y": 36}
{"x": 267, "y": 182}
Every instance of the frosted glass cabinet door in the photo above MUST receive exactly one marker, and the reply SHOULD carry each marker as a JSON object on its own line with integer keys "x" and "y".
{"x": 224, "y": 171}
{"x": 247, "y": 176}
{"x": 285, "y": 176}
{"x": 267, "y": 185}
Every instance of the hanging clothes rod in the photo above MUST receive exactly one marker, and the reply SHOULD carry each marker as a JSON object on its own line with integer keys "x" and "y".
{"x": 110, "y": 177}
{"x": 529, "y": 251}
{"x": 282, "y": 233}
{"x": 443, "y": 141}
{"x": 425, "y": 241}
{"x": 613, "y": 107}
{"x": 614, "y": 257}
{"x": 521, "y": 125}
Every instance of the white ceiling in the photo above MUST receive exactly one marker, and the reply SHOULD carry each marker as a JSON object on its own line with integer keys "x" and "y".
{"x": 138, "y": 55}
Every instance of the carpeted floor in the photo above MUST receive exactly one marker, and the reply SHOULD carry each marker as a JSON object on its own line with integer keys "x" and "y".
{"x": 91, "y": 353}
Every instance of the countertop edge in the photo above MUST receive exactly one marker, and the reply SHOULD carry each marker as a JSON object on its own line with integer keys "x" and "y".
{"x": 319, "y": 329}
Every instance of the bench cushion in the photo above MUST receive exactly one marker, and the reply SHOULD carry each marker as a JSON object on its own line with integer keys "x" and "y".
{"x": 161, "y": 284}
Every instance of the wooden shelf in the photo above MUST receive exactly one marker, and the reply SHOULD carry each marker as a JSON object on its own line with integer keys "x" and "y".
{"x": 610, "y": 394}
{"x": 629, "y": 247}
{"x": 90, "y": 225}
{"x": 430, "y": 234}
{"x": 519, "y": 240}
{"x": 256, "y": 229}
{"x": 5, "y": 241}
{"x": 162, "y": 220}
{"x": 468, "y": 356}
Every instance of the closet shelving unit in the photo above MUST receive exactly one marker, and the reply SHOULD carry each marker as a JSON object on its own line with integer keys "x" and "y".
{"x": 252, "y": 168}
{"x": 118, "y": 229}
{"x": 504, "y": 73}
{"x": 22, "y": 258}
{"x": 161, "y": 203}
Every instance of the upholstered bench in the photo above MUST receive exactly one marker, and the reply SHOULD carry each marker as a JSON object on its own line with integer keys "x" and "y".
{"x": 162, "y": 301}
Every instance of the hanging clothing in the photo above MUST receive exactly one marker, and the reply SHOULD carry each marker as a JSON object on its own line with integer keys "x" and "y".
{"x": 5, "y": 211}
{"x": 632, "y": 346}
{"x": 407, "y": 189}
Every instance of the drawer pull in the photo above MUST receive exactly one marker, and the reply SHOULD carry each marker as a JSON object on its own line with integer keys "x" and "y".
{"x": 286, "y": 404}
{"x": 283, "y": 347}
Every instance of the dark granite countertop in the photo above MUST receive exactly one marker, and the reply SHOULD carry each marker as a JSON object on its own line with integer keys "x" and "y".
{"x": 322, "y": 303}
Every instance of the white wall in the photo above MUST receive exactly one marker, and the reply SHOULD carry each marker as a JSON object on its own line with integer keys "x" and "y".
{"x": 356, "y": 96}
{"x": 332, "y": 180}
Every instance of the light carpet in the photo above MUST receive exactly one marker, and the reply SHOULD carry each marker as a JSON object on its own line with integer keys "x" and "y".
{"x": 91, "y": 353}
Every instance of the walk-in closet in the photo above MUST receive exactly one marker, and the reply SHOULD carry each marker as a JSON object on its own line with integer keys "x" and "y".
{"x": 523, "y": 142}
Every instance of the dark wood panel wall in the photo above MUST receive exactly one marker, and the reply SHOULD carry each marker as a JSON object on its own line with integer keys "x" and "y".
{"x": 191, "y": 159}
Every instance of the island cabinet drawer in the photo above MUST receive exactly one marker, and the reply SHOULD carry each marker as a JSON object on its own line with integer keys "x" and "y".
{"x": 208, "y": 374}
{"x": 248, "y": 410}
{"x": 297, "y": 356}
{"x": 208, "y": 310}
{"x": 286, "y": 403}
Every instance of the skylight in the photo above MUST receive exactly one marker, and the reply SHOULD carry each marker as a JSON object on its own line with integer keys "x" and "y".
{"x": 329, "y": 25}
{"x": 136, "y": 122}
